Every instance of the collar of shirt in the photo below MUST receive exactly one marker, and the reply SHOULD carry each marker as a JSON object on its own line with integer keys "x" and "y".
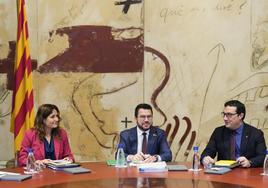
{"x": 239, "y": 130}
{"x": 139, "y": 132}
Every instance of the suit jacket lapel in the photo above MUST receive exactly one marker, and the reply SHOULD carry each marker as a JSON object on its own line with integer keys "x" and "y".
{"x": 133, "y": 140}
{"x": 244, "y": 140}
{"x": 151, "y": 140}
{"x": 227, "y": 143}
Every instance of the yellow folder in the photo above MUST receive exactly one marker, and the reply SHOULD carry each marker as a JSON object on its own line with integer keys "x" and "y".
{"x": 226, "y": 163}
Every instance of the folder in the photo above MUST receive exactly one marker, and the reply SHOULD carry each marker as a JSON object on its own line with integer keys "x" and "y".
{"x": 217, "y": 170}
{"x": 226, "y": 163}
{"x": 111, "y": 162}
{"x": 177, "y": 168}
{"x": 77, "y": 170}
{"x": 9, "y": 177}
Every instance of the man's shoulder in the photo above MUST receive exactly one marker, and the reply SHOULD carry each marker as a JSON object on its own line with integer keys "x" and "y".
{"x": 220, "y": 128}
{"x": 128, "y": 131}
{"x": 251, "y": 128}
{"x": 157, "y": 130}
{"x": 246, "y": 127}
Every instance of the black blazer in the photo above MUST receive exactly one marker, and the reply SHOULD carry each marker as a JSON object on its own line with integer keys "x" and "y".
{"x": 253, "y": 145}
{"x": 157, "y": 143}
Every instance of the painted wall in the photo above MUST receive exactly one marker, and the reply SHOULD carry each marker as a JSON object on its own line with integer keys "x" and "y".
{"x": 96, "y": 60}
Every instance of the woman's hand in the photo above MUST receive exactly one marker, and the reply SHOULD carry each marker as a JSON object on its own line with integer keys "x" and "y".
{"x": 68, "y": 159}
{"x": 42, "y": 163}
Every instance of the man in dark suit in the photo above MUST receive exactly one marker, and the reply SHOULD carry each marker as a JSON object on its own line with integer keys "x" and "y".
{"x": 145, "y": 142}
{"x": 248, "y": 147}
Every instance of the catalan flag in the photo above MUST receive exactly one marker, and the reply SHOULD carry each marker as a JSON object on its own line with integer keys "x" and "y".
{"x": 22, "y": 117}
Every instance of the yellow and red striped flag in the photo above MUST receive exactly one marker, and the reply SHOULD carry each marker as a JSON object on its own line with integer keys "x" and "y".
{"x": 22, "y": 117}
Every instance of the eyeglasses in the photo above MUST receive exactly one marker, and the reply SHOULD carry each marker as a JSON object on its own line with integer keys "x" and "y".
{"x": 228, "y": 115}
{"x": 144, "y": 117}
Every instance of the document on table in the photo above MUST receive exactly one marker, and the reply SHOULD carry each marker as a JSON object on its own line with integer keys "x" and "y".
{"x": 152, "y": 167}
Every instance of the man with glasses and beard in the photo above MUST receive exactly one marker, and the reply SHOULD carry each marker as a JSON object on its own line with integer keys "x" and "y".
{"x": 145, "y": 142}
{"x": 235, "y": 140}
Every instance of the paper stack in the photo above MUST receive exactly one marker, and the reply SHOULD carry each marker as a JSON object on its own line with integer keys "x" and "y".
{"x": 152, "y": 167}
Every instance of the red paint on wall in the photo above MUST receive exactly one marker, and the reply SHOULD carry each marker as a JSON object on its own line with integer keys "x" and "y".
{"x": 94, "y": 49}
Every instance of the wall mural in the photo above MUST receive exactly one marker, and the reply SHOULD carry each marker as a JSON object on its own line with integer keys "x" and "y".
{"x": 126, "y": 4}
{"x": 97, "y": 60}
{"x": 106, "y": 51}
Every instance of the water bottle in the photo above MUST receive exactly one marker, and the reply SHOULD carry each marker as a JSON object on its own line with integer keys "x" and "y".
{"x": 120, "y": 158}
{"x": 30, "y": 164}
{"x": 196, "y": 159}
{"x": 265, "y": 164}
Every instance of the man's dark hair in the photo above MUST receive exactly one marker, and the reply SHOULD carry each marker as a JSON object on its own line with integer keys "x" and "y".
{"x": 142, "y": 106}
{"x": 240, "y": 107}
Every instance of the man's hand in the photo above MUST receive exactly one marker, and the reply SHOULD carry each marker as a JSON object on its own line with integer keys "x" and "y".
{"x": 146, "y": 158}
{"x": 136, "y": 157}
{"x": 149, "y": 158}
{"x": 243, "y": 161}
{"x": 207, "y": 161}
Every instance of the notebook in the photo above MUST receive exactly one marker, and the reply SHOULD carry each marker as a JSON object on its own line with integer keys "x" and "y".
{"x": 9, "y": 177}
{"x": 177, "y": 168}
{"x": 226, "y": 163}
{"x": 77, "y": 170}
{"x": 217, "y": 170}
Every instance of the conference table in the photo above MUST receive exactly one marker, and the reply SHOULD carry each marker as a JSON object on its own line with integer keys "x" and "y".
{"x": 103, "y": 175}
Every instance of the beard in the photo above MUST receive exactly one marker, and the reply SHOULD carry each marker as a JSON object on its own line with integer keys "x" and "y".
{"x": 146, "y": 127}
